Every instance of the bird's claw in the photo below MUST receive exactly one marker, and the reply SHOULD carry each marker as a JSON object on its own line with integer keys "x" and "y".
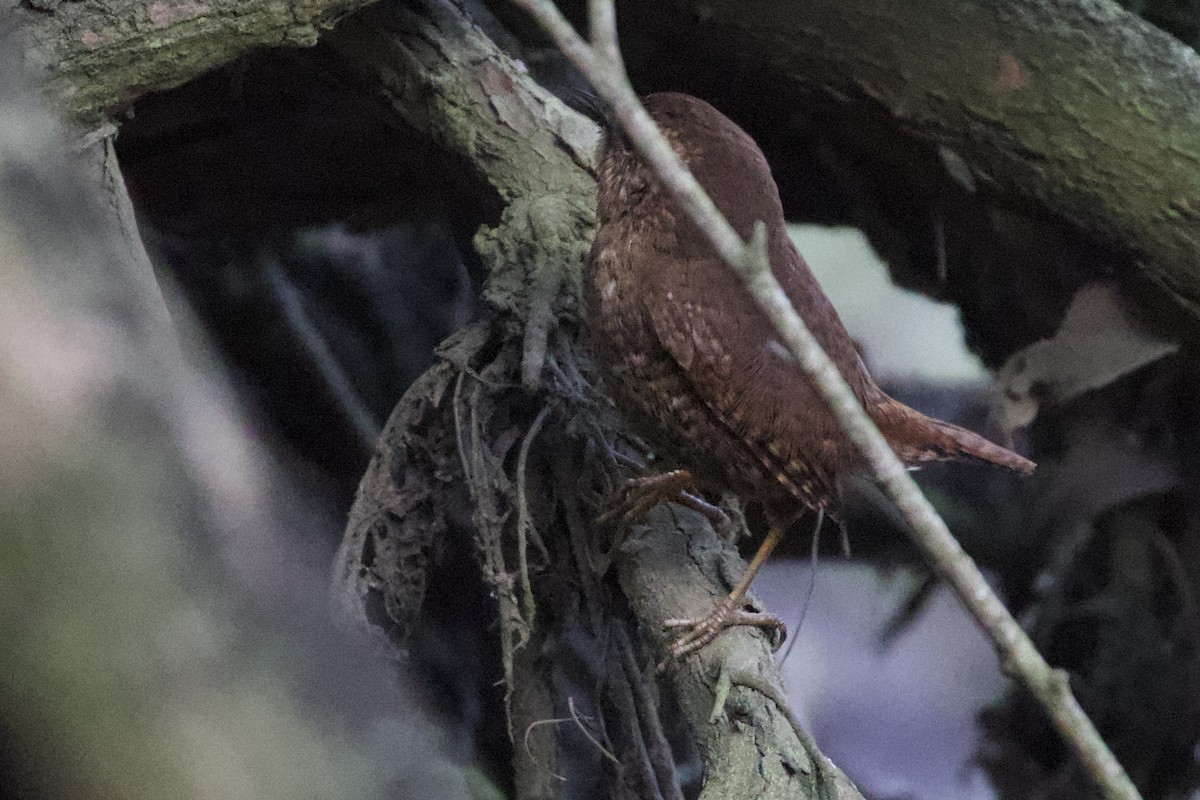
{"x": 639, "y": 495}
{"x": 716, "y": 515}
{"x": 700, "y": 631}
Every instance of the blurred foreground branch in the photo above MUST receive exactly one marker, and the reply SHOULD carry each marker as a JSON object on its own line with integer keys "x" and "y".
{"x": 163, "y": 636}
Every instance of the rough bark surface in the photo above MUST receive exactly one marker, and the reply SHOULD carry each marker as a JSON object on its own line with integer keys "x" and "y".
{"x": 748, "y": 738}
{"x": 1082, "y": 107}
{"x": 94, "y": 59}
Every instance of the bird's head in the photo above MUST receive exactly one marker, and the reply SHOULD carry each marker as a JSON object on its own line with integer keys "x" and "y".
{"x": 723, "y": 157}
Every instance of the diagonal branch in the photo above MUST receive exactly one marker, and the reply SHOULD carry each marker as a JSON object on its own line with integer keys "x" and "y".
{"x": 94, "y": 58}
{"x": 1017, "y": 653}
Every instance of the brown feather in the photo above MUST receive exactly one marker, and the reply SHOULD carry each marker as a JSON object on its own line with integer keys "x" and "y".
{"x": 691, "y": 360}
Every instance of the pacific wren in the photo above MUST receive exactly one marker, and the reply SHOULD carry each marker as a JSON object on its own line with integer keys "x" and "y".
{"x": 695, "y": 366}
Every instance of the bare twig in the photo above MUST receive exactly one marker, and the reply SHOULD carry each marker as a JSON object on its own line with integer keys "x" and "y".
{"x": 602, "y": 29}
{"x": 529, "y": 751}
{"x": 604, "y": 751}
{"x": 1019, "y": 657}
{"x": 524, "y": 523}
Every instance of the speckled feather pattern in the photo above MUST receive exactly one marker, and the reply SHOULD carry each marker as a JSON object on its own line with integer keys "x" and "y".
{"x": 690, "y": 359}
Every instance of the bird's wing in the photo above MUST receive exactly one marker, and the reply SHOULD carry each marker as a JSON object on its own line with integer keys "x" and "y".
{"x": 724, "y": 345}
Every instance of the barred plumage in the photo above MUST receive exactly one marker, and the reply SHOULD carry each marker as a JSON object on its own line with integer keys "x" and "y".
{"x": 693, "y": 363}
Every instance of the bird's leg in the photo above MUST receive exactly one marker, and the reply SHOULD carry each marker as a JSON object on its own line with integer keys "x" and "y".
{"x": 702, "y": 630}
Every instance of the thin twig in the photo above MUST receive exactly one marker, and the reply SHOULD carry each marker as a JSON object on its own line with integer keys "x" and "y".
{"x": 1018, "y": 655}
{"x": 578, "y": 719}
{"x": 529, "y": 751}
{"x": 590, "y": 737}
{"x": 524, "y": 523}
{"x": 602, "y": 30}
{"x": 468, "y": 474}
{"x": 813, "y": 559}
{"x": 658, "y": 749}
{"x": 320, "y": 353}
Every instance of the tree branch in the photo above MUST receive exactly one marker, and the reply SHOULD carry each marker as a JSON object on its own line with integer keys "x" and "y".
{"x": 1017, "y": 653}
{"x": 731, "y": 691}
{"x": 444, "y": 77}
{"x": 168, "y": 639}
{"x": 1080, "y": 105}
{"x": 93, "y": 59}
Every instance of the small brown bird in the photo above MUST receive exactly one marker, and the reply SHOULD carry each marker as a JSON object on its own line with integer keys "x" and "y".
{"x": 696, "y": 367}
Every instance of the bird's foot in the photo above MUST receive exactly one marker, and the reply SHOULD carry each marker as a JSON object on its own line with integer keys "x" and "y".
{"x": 630, "y": 506}
{"x": 702, "y": 630}
{"x": 641, "y": 494}
{"x": 716, "y": 516}
{"x": 734, "y": 526}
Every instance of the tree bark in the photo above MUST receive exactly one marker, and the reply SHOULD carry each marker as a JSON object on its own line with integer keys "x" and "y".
{"x": 162, "y": 639}
{"x": 1082, "y": 108}
{"x": 95, "y": 59}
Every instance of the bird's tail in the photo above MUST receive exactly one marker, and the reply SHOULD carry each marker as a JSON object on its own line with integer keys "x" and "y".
{"x": 934, "y": 440}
